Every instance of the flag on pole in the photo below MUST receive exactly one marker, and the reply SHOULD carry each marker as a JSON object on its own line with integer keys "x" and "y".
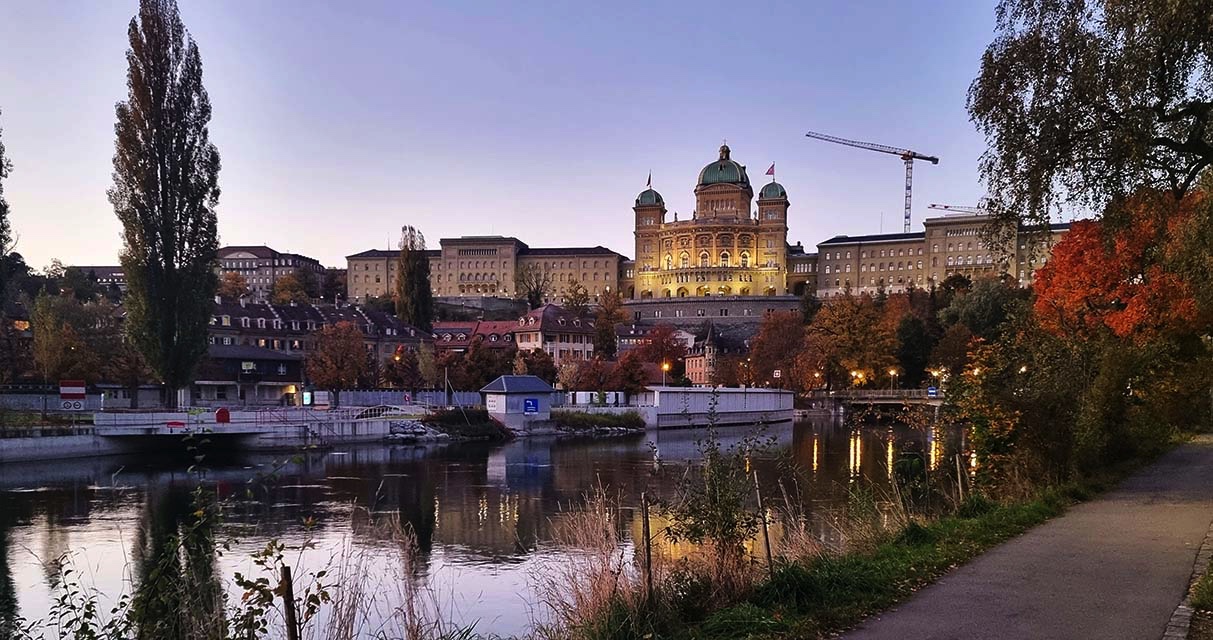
{"x": 771, "y": 171}
{"x": 649, "y": 184}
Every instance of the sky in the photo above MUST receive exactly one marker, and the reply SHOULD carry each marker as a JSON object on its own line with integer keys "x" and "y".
{"x": 339, "y": 122}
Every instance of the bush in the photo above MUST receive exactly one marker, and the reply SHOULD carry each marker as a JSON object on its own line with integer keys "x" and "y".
{"x": 467, "y": 423}
{"x": 975, "y": 505}
{"x": 580, "y": 420}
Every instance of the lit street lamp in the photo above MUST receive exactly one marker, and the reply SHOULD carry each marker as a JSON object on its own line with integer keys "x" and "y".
{"x": 892, "y": 379}
{"x": 665, "y": 366}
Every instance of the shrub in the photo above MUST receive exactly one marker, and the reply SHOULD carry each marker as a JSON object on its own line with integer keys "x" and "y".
{"x": 580, "y": 420}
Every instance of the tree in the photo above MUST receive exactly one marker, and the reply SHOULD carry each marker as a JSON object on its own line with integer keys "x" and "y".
{"x": 1130, "y": 279}
{"x": 951, "y": 353}
{"x": 427, "y": 366}
{"x": 6, "y": 241}
{"x": 287, "y": 289}
{"x": 533, "y": 284}
{"x": 414, "y": 298}
{"x": 577, "y": 301}
{"x": 403, "y": 370}
{"x": 125, "y": 366}
{"x": 166, "y": 187}
{"x": 913, "y": 350}
{"x": 776, "y": 346}
{"x": 610, "y": 314}
{"x": 1083, "y": 101}
{"x": 540, "y": 364}
{"x": 848, "y": 343}
{"x": 663, "y": 346}
{"x": 628, "y": 374}
{"x": 483, "y": 364}
{"x": 339, "y": 359}
{"x": 60, "y": 349}
{"x": 985, "y": 307}
{"x": 333, "y": 287}
{"x": 80, "y": 285}
{"x": 809, "y": 306}
{"x": 232, "y": 286}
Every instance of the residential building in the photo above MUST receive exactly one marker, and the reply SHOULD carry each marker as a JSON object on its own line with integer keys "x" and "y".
{"x": 557, "y": 331}
{"x": 261, "y": 267}
{"x": 106, "y": 276}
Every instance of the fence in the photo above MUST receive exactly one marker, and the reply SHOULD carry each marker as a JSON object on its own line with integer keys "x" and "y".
{"x": 374, "y": 397}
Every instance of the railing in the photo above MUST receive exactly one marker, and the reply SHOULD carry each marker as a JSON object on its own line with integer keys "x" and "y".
{"x": 878, "y": 394}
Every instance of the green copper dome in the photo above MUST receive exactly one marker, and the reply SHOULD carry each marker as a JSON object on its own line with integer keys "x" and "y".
{"x": 649, "y": 197}
{"x": 772, "y": 191}
{"x": 724, "y": 171}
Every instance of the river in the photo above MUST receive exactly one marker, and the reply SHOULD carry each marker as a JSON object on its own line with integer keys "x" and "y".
{"x": 483, "y": 513}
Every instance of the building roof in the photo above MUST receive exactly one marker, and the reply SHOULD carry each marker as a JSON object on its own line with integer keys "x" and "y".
{"x": 724, "y": 171}
{"x": 389, "y": 253}
{"x": 771, "y": 191}
{"x": 551, "y": 317}
{"x": 101, "y": 272}
{"x": 876, "y": 237}
{"x": 260, "y": 251}
{"x": 649, "y": 197}
{"x": 518, "y": 384}
{"x": 568, "y": 251}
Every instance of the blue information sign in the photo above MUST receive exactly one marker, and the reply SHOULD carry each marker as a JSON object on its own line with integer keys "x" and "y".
{"x": 530, "y": 405}
{"x": 932, "y": 392}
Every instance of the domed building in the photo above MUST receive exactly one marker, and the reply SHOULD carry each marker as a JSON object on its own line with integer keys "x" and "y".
{"x": 727, "y": 247}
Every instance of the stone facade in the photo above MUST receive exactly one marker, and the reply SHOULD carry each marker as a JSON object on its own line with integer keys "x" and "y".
{"x": 726, "y": 248}
{"x": 486, "y": 266}
{"x": 261, "y": 267}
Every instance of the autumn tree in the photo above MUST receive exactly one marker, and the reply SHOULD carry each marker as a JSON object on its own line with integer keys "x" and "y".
{"x": 539, "y": 364}
{"x": 414, "y": 297}
{"x": 913, "y": 350}
{"x": 59, "y": 350}
{"x": 533, "y": 284}
{"x": 232, "y": 286}
{"x": 662, "y": 345}
{"x": 166, "y": 187}
{"x": 1082, "y": 102}
{"x": 984, "y": 307}
{"x": 80, "y": 285}
{"x": 1132, "y": 283}
{"x": 610, "y": 315}
{"x": 403, "y": 371}
{"x": 776, "y": 347}
{"x": 848, "y": 342}
{"x": 339, "y": 358}
{"x": 950, "y": 354}
{"x": 628, "y": 374}
{"x": 288, "y": 289}
{"x": 577, "y": 299}
{"x": 484, "y": 363}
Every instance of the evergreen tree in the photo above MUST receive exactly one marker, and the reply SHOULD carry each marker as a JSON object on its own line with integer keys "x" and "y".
{"x": 166, "y": 187}
{"x": 414, "y": 299}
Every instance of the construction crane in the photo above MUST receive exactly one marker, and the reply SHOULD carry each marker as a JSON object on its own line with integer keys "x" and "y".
{"x": 958, "y": 209}
{"x": 905, "y": 154}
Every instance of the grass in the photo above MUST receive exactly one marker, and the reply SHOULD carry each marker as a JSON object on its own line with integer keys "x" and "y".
{"x": 583, "y": 421}
{"x": 1202, "y": 602}
{"x": 466, "y": 424}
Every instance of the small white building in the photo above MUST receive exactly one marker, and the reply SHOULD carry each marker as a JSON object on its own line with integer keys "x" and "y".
{"x": 518, "y": 401}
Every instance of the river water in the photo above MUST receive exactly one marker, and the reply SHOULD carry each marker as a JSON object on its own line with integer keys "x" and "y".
{"x": 483, "y": 514}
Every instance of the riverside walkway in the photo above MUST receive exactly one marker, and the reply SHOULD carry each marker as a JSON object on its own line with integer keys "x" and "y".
{"x": 1114, "y": 567}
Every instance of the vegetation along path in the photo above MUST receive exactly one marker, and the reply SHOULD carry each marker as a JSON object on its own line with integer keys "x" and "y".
{"x": 1114, "y": 567}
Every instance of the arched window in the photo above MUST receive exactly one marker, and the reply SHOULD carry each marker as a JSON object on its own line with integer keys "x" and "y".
{"x": 704, "y": 259}
{"x": 745, "y": 259}
{"x": 669, "y": 262}
{"x": 684, "y": 260}
{"x": 724, "y": 258}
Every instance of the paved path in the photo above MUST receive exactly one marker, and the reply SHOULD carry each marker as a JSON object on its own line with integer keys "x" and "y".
{"x": 1115, "y": 567}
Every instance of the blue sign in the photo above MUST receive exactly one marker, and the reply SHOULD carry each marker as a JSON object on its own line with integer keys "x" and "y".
{"x": 932, "y": 392}
{"x": 307, "y": 398}
{"x": 530, "y": 405}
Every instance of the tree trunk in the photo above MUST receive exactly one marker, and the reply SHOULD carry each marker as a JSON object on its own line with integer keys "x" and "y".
{"x": 134, "y": 391}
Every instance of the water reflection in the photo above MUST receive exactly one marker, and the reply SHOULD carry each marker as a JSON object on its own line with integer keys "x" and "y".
{"x": 481, "y": 513}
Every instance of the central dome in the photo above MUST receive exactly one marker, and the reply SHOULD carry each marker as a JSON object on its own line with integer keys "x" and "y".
{"x": 724, "y": 171}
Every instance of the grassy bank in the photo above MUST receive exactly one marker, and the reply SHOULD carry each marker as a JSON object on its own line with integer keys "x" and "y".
{"x": 583, "y": 421}
{"x": 466, "y": 424}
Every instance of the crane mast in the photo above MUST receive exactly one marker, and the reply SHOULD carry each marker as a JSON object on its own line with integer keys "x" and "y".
{"x": 906, "y": 155}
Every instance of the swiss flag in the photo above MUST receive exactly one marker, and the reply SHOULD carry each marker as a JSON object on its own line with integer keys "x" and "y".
{"x": 771, "y": 171}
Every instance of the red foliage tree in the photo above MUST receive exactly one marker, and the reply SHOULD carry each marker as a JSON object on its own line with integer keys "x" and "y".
{"x": 1121, "y": 279}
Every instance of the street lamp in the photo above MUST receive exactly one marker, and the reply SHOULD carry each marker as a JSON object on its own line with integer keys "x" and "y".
{"x": 665, "y": 367}
{"x": 892, "y": 379}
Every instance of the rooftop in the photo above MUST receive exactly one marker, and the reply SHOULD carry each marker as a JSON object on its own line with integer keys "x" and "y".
{"x": 517, "y": 384}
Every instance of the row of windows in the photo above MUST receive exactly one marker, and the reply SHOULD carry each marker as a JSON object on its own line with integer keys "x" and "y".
{"x": 705, "y": 260}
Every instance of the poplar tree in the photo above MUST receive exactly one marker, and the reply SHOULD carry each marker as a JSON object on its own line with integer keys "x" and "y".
{"x": 414, "y": 299}
{"x": 166, "y": 187}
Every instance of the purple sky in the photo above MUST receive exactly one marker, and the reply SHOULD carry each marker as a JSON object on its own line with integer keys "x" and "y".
{"x": 339, "y": 122}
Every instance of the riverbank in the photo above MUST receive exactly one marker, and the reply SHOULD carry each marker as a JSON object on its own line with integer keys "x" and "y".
{"x": 819, "y": 593}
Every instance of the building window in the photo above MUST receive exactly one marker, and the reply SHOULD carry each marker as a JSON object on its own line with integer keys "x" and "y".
{"x": 724, "y": 258}
{"x": 704, "y": 259}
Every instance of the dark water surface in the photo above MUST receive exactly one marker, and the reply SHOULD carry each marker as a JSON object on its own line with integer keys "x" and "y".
{"x": 483, "y": 514}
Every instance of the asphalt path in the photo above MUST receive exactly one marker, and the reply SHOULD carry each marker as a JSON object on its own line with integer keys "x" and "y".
{"x": 1114, "y": 567}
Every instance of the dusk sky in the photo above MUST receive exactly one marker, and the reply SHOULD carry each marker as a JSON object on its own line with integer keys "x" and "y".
{"x": 338, "y": 122}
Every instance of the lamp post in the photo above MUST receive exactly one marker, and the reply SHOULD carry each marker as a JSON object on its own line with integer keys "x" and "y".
{"x": 665, "y": 366}
{"x": 892, "y": 379}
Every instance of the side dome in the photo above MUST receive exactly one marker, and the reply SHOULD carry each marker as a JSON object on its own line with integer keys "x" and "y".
{"x": 772, "y": 191}
{"x": 649, "y": 197}
{"x": 724, "y": 171}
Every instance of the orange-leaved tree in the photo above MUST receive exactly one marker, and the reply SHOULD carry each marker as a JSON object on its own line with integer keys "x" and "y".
{"x": 339, "y": 359}
{"x": 1122, "y": 278}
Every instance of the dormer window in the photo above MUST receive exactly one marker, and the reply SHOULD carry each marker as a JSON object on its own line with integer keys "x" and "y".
{"x": 446, "y": 337}
{"x": 244, "y": 322}
{"x": 463, "y": 336}
{"x": 493, "y": 337}
{"x": 560, "y": 322}
{"x": 294, "y": 325}
{"x": 509, "y": 337}
{"x": 576, "y": 323}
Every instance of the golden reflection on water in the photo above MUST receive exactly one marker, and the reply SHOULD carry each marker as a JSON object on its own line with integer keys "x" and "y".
{"x": 888, "y": 455}
{"x": 855, "y": 451}
{"x": 814, "y": 453}
{"x": 934, "y": 447}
